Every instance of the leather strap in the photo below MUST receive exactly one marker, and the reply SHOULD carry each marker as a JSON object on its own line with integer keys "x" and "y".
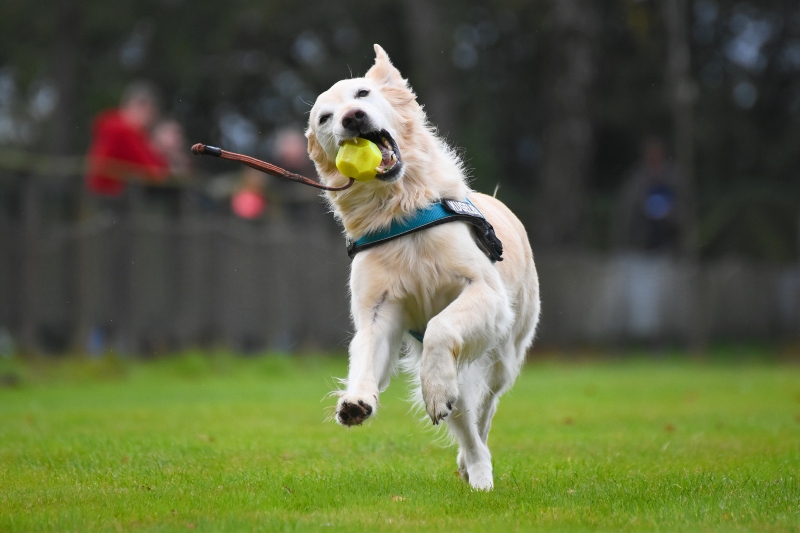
{"x": 263, "y": 166}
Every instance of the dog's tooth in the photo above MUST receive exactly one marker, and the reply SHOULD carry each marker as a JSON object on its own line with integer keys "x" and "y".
{"x": 394, "y": 158}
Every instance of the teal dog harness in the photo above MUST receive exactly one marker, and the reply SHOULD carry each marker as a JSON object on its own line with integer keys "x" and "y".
{"x": 437, "y": 213}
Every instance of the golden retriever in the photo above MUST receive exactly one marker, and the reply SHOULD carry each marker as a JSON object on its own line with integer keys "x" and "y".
{"x": 478, "y": 317}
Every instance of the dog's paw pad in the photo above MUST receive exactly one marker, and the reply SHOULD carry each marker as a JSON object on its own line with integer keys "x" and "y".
{"x": 353, "y": 413}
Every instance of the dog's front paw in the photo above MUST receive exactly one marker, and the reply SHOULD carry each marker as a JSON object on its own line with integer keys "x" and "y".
{"x": 440, "y": 396}
{"x": 353, "y": 410}
{"x": 480, "y": 477}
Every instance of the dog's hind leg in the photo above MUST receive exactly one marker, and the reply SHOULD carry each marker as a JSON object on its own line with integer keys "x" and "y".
{"x": 500, "y": 378}
{"x": 373, "y": 352}
{"x": 485, "y": 416}
{"x": 474, "y": 459}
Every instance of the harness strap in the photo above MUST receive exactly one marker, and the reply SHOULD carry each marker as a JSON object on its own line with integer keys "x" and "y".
{"x": 437, "y": 213}
{"x": 416, "y": 334}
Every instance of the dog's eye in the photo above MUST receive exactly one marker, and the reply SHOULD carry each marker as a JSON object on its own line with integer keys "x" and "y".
{"x": 324, "y": 118}
{"x": 362, "y": 93}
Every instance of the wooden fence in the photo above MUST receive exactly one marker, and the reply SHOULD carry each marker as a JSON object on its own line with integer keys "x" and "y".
{"x": 153, "y": 282}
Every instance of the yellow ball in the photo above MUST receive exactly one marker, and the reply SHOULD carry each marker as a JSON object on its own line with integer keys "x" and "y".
{"x": 358, "y": 159}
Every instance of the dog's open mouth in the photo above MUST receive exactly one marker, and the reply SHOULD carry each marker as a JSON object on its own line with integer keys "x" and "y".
{"x": 391, "y": 163}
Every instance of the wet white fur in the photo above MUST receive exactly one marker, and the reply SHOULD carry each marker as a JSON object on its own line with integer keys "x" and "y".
{"x": 479, "y": 318}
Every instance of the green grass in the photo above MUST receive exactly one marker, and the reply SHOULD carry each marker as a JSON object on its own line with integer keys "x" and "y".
{"x": 225, "y": 444}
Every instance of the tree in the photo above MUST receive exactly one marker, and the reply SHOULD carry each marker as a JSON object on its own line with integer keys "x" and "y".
{"x": 567, "y": 130}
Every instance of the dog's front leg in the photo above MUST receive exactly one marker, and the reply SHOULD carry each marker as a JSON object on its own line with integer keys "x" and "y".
{"x": 471, "y": 320}
{"x": 373, "y": 351}
{"x": 464, "y": 329}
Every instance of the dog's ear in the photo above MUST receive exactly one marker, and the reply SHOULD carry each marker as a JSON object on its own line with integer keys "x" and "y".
{"x": 383, "y": 71}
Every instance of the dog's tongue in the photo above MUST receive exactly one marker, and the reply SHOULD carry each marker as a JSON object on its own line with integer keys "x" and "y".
{"x": 386, "y": 156}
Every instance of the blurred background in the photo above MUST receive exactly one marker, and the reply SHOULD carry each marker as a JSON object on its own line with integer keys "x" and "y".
{"x": 649, "y": 146}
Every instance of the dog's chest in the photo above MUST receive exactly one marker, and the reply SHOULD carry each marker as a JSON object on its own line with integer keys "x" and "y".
{"x": 424, "y": 272}
{"x": 427, "y": 285}
{"x": 427, "y": 301}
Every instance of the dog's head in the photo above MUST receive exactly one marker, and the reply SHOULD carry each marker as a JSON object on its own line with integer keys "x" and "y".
{"x": 417, "y": 167}
{"x": 378, "y": 107}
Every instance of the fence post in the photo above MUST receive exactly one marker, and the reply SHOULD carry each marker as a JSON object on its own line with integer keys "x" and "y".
{"x": 130, "y": 334}
{"x": 683, "y": 95}
{"x": 83, "y": 278}
{"x": 30, "y": 235}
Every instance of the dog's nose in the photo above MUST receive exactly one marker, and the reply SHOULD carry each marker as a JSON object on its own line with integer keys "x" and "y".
{"x": 354, "y": 119}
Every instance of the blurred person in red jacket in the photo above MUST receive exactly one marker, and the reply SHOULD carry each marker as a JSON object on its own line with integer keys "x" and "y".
{"x": 121, "y": 147}
{"x": 121, "y": 150}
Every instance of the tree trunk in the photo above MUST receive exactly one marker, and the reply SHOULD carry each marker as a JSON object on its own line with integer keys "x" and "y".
{"x": 682, "y": 95}
{"x": 29, "y": 319}
{"x": 65, "y": 73}
{"x": 568, "y": 136}
{"x": 682, "y": 92}
{"x": 430, "y": 55}
{"x": 64, "y": 124}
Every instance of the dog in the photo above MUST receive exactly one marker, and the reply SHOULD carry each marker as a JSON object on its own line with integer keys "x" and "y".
{"x": 476, "y": 318}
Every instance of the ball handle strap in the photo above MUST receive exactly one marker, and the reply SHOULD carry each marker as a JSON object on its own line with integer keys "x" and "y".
{"x": 263, "y": 166}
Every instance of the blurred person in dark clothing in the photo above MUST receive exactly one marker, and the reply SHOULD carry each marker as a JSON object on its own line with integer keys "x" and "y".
{"x": 651, "y": 209}
{"x": 169, "y": 140}
{"x": 298, "y": 204}
{"x": 248, "y": 200}
{"x": 291, "y": 149}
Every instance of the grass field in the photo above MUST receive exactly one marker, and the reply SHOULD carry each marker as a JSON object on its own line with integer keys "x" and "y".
{"x": 227, "y": 444}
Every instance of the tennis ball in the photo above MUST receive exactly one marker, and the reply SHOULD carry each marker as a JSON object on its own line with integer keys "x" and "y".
{"x": 358, "y": 159}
